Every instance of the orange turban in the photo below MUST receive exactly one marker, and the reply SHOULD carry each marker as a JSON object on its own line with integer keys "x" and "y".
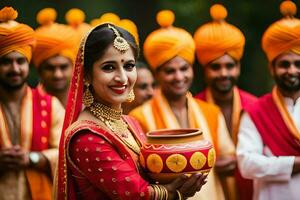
{"x": 218, "y": 37}
{"x": 15, "y": 36}
{"x": 54, "y": 39}
{"x": 283, "y": 35}
{"x": 75, "y": 18}
{"x": 129, "y": 26}
{"x": 168, "y": 42}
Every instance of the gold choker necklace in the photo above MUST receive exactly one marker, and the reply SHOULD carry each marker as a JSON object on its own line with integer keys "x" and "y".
{"x": 113, "y": 120}
{"x": 110, "y": 117}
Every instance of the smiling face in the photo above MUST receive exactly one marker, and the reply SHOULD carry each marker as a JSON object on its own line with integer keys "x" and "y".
{"x": 286, "y": 72}
{"x": 222, "y": 74}
{"x": 175, "y": 77}
{"x": 113, "y": 77}
{"x": 56, "y": 73}
{"x": 14, "y": 71}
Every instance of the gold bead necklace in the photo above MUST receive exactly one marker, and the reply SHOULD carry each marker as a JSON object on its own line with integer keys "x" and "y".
{"x": 112, "y": 118}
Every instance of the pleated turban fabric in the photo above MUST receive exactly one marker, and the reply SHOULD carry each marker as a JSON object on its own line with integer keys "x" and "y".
{"x": 217, "y": 38}
{"x": 54, "y": 39}
{"x": 283, "y": 35}
{"x": 75, "y": 18}
{"x": 168, "y": 42}
{"x": 15, "y": 36}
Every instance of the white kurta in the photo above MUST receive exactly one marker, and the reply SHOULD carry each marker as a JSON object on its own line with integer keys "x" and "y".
{"x": 273, "y": 179}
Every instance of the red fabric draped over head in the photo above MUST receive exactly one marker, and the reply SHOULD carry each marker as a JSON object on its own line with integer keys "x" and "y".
{"x": 283, "y": 35}
{"x": 73, "y": 108}
{"x": 15, "y": 36}
{"x": 216, "y": 38}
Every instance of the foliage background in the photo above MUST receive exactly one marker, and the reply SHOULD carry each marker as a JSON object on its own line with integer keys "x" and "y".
{"x": 251, "y": 16}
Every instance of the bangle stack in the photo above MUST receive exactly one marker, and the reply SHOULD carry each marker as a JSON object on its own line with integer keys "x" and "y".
{"x": 160, "y": 192}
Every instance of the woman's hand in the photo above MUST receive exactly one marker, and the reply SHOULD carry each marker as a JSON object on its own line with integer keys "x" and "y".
{"x": 187, "y": 186}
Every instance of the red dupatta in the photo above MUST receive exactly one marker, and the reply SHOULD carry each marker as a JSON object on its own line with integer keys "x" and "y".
{"x": 241, "y": 100}
{"x": 35, "y": 115}
{"x": 73, "y": 108}
{"x": 275, "y": 125}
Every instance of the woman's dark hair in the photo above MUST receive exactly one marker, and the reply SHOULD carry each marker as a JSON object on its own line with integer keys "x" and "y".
{"x": 99, "y": 40}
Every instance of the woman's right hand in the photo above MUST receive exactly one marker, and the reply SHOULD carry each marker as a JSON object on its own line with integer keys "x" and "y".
{"x": 187, "y": 186}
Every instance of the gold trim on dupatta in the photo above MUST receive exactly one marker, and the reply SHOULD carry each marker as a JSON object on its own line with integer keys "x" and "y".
{"x": 4, "y": 130}
{"x": 26, "y": 123}
{"x": 279, "y": 102}
{"x": 26, "y": 120}
{"x": 76, "y": 78}
{"x": 166, "y": 112}
{"x": 236, "y": 111}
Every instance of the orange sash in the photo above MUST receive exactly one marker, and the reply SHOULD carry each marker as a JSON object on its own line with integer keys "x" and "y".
{"x": 39, "y": 184}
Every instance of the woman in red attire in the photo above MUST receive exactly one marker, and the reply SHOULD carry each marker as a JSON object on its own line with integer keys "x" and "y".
{"x": 99, "y": 148}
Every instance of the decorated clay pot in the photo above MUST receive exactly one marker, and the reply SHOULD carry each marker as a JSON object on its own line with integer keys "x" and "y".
{"x": 169, "y": 153}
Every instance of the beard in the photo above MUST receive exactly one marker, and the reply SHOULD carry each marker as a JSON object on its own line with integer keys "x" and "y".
{"x": 289, "y": 83}
{"x": 223, "y": 88}
{"x": 12, "y": 86}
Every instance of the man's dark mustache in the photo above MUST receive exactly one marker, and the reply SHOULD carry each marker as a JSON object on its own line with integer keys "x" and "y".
{"x": 231, "y": 78}
{"x": 13, "y": 74}
{"x": 292, "y": 76}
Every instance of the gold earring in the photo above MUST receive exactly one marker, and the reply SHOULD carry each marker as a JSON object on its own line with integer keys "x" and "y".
{"x": 130, "y": 96}
{"x": 88, "y": 98}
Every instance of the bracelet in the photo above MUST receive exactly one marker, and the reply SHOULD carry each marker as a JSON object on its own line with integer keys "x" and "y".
{"x": 34, "y": 158}
{"x": 160, "y": 192}
{"x": 179, "y": 195}
{"x": 166, "y": 192}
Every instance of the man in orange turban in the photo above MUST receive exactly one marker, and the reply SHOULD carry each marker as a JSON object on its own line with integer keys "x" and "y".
{"x": 54, "y": 55}
{"x": 30, "y": 121}
{"x": 268, "y": 147}
{"x": 219, "y": 47}
{"x": 170, "y": 52}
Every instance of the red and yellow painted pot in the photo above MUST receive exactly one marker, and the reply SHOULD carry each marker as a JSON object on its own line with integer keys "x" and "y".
{"x": 169, "y": 153}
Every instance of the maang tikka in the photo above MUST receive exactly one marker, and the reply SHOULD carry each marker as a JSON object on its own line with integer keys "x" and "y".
{"x": 119, "y": 42}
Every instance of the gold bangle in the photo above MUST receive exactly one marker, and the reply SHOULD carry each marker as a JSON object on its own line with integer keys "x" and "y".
{"x": 157, "y": 192}
{"x": 154, "y": 192}
{"x": 166, "y": 192}
{"x": 179, "y": 195}
{"x": 160, "y": 194}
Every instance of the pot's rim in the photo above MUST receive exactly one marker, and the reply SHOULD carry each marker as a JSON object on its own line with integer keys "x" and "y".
{"x": 174, "y": 133}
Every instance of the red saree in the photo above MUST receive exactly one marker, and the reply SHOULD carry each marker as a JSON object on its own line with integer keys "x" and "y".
{"x": 100, "y": 165}
{"x": 80, "y": 174}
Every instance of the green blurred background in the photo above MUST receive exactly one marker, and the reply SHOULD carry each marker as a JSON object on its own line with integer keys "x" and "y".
{"x": 251, "y": 16}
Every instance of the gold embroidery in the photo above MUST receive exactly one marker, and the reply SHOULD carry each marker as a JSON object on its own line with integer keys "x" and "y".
{"x": 119, "y": 42}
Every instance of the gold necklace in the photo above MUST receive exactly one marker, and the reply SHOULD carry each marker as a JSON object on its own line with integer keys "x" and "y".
{"x": 113, "y": 120}
{"x": 110, "y": 117}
